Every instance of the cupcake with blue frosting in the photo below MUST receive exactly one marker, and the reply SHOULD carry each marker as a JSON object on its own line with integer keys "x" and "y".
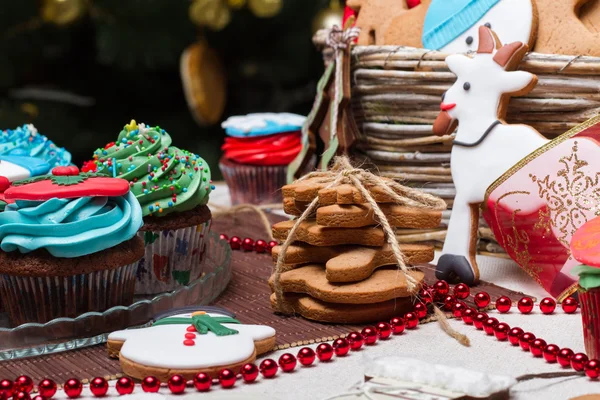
{"x": 26, "y": 141}
{"x": 69, "y": 245}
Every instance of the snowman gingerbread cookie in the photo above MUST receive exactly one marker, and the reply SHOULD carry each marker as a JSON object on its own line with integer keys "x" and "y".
{"x": 187, "y": 344}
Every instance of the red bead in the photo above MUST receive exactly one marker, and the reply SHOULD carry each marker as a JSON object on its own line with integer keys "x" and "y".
{"x": 150, "y": 384}
{"x": 268, "y": 368}
{"x": 526, "y": 340}
{"x": 249, "y": 372}
{"x": 73, "y": 388}
{"x": 260, "y": 246}
{"x": 467, "y": 315}
{"x": 324, "y": 352}
{"x": 39, "y": 397}
{"x": 23, "y": 384}
{"x": 525, "y": 305}
{"x": 592, "y": 369}
{"x": 356, "y": 340}
{"x": 411, "y": 320}
{"x": 223, "y": 236}
{"x": 235, "y": 243}
{"x": 287, "y": 362}
{"x": 564, "y": 357}
{"x": 547, "y": 305}
{"x": 449, "y": 302}
{"x": 227, "y": 378}
{"x": 6, "y": 388}
{"x": 501, "y": 331}
{"x": 489, "y": 325}
{"x": 176, "y": 384}
{"x": 537, "y": 347}
{"x": 578, "y": 361}
{"x": 461, "y": 291}
{"x": 306, "y": 356}
{"x": 341, "y": 347}
{"x": 272, "y": 244}
{"x": 370, "y": 335}
{"x": 202, "y": 382}
{"x": 458, "y": 309}
{"x": 21, "y": 395}
{"x": 125, "y": 385}
{"x": 570, "y": 305}
{"x": 425, "y": 296}
{"x": 441, "y": 287}
{"x": 99, "y": 386}
{"x": 479, "y": 319}
{"x": 503, "y": 304}
{"x": 514, "y": 335}
{"x": 482, "y": 299}
{"x": 420, "y": 309}
{"x": 550, "y": 353}
{"x": 248, "y": 244}
{"x": 384, "y": 330}
{"x": 46, "y": 388}
{"x": 397, "y": 325}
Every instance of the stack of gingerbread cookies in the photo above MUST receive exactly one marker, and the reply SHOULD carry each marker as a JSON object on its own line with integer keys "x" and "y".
{"x": 340, "y": 268}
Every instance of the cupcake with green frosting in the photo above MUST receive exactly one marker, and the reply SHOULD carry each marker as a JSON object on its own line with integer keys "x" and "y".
{"x": 172, "y": 186}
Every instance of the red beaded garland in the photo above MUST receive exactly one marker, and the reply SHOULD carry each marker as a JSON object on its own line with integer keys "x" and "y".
{"x": 384, "y": 330}
{"x": 249, "y": 372}
{"x": 23, "y": 384}
{"x": 526, "y": 340}
{"x": 592, "y": 369}
{"x": 176, "y": 384}
{"x": 38, "y": 397}
{"x": 525, "y": 305}
{"x": 7, "y": 387}
{"x": 99, "y": 386}
{"x": 503, "y": 304}
{"x": 537, "y": 347}
{"x": 578, "y": 361}
{"x": 268, "y": 368}
{"x": 397, "y": 325}
{"x": 223, "y": 236}
{"x": 461, "y": 291}
{"x": 260, "y": 246}
{"x": 420, "y": 309}
{"x": 227, "y": 378}
{"x": 73, "y": 388}
{"x": 235, "y": 243}
{"x": 489, "y": 325}
{"x": 341, "y": 347}
{"x": 564, "y": 357}
{"x": 203, "y": 381}
{"x": 468, "y": 315}
{"x": 501, "y": 331}
{"x": 150, "y": 384}
{"x": 458, "y": 309}
{"x": 46, "y": 388}
{"x": 356, "y": 340}
{"x": 306, "y": 355}
{"x": 287, "y": 362}
{"x": 21, "y": 395}
{"x": 425, "y": 296}
{"x": 441, "y": 287}
{"x": 570, "y": 305}
{"x": 272, "y": 244}
{"x": 482, "y": 299}
{"x": 370, "y": 335}
{"x": 324, "y": 352}
{"x": 125, "y": 385}
{"x": 547, "y": 305}
{"x": 411, "y": 320}
{"x": 550, "y": 353}
{"x": 514, "y": 335}
{"x": 479, "y": 319}
{"x": 449, "y": 302}
{"x": 248, "y": 244}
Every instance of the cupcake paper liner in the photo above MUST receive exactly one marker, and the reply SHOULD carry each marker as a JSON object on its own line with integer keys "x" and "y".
{"x": 41, "y": 299}
{"x": 590, "y": 316}
{"x": 172, "y": 258}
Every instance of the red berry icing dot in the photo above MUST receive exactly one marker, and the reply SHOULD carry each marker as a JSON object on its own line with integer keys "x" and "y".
{"x": 188, "y": 342}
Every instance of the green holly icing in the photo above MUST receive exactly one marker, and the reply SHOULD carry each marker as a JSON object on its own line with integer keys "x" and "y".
{"x": 162, "y": 177}
{"x": 61, "y": 180}
{"x": 203, "y": 323}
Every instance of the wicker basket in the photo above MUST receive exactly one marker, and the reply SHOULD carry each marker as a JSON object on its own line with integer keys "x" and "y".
{"x": 396, "y": 94}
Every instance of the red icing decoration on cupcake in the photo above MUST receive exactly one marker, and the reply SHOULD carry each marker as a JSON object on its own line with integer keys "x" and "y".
{"x": 89, "y": 166}
{"x": 279, "y": 149}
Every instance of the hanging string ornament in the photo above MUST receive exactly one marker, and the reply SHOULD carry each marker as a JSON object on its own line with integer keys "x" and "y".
{"x": 63, "y": 12}
{"x": 328, "y": 17}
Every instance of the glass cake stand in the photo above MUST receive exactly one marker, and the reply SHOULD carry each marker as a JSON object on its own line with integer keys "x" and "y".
{"x": 63, "y": 334}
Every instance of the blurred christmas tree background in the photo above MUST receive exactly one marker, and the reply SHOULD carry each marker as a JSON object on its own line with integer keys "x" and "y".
{"x": 81, "y": 69}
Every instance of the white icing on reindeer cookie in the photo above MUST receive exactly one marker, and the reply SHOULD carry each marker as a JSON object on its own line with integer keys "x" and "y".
{"x": 451, "y": 26}
{"x": 177, "y": 343}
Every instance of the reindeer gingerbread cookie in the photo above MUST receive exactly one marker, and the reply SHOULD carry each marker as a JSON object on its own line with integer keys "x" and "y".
{"x": 451, "y": 26}
{"x": 187, "y": 344}
{"x": 485, "y": 146}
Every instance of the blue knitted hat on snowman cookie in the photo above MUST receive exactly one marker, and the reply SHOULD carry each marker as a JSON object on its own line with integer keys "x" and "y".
{"x": 448, "y": 19}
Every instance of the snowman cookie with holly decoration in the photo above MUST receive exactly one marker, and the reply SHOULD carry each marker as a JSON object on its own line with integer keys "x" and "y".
{"x": 187, "y": 344}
